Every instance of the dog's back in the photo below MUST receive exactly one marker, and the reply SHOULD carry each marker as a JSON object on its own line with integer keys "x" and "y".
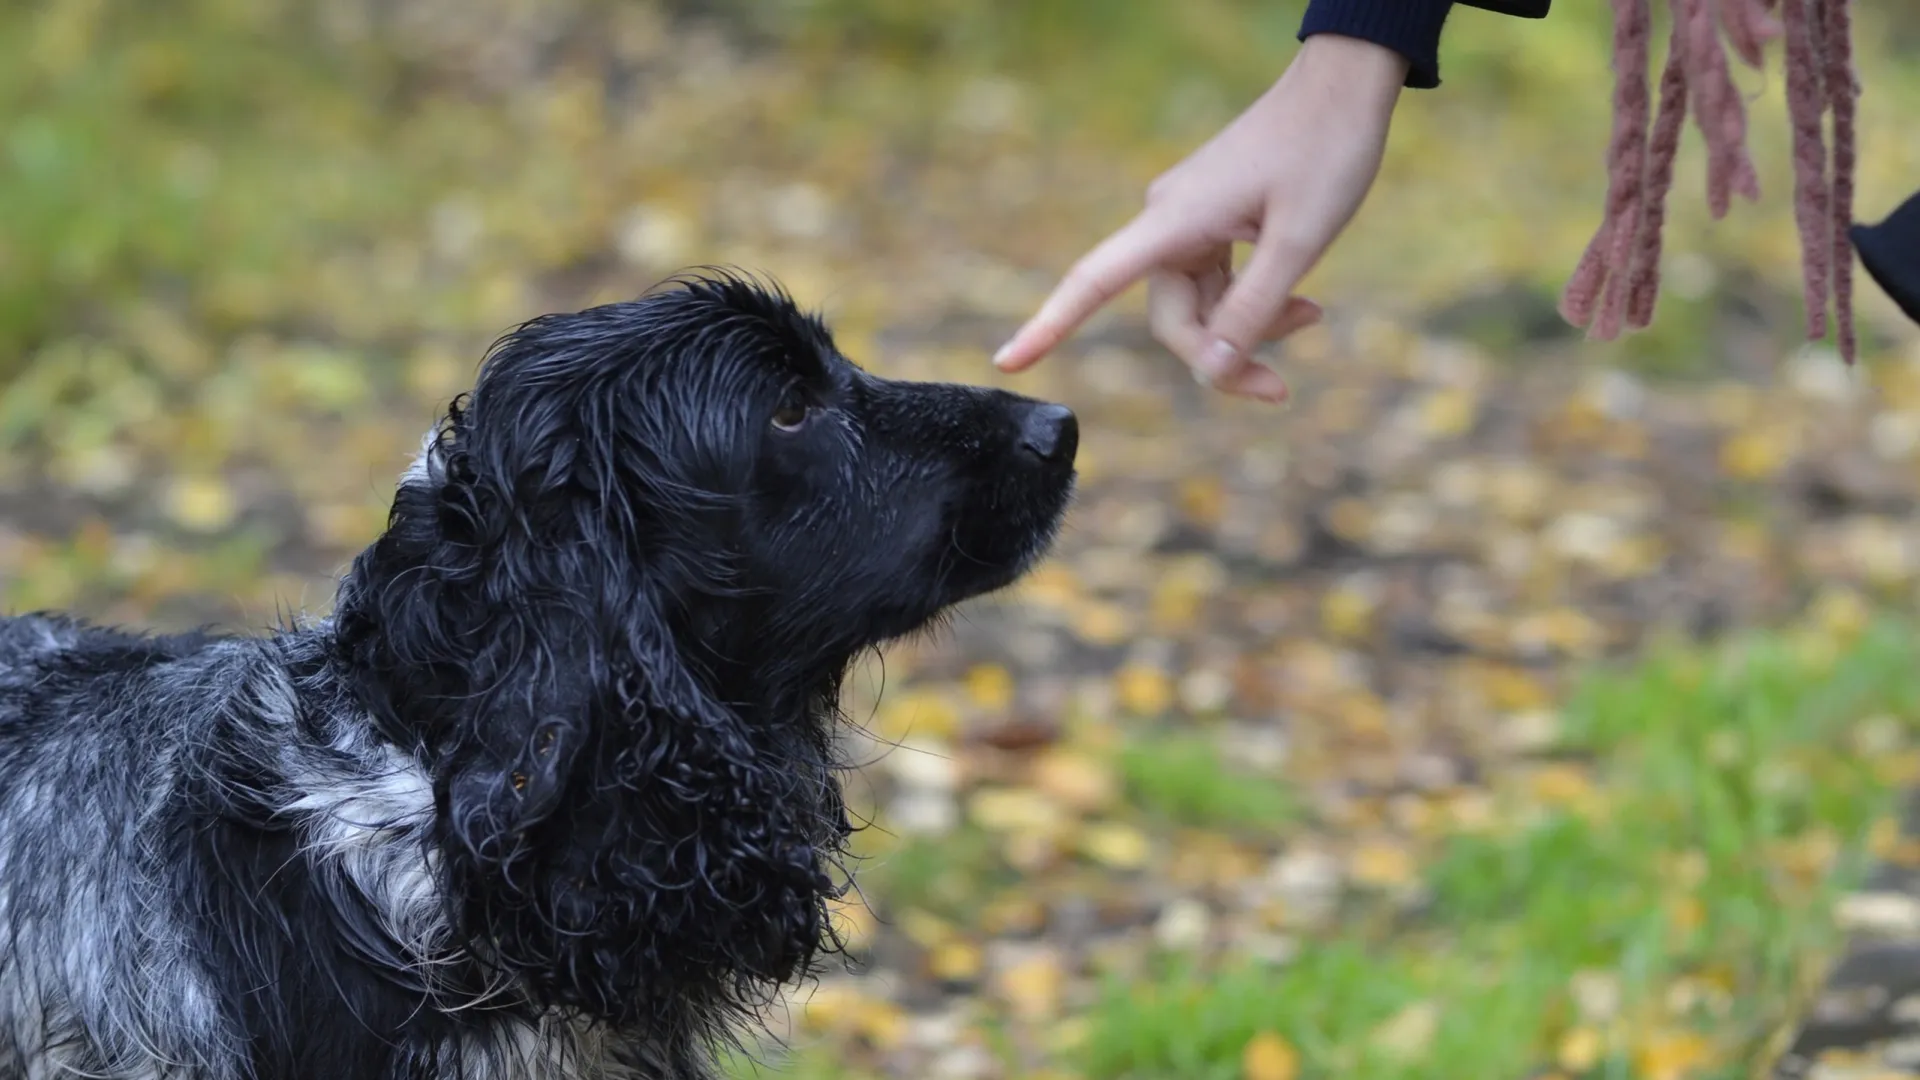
{"x": 83, "y": 969}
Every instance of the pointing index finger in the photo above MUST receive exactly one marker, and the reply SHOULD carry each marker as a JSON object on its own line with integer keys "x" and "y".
{"x": 1099, "y": 276}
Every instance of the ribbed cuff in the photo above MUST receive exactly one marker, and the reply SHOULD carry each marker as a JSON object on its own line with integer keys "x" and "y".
{"x": 1408, "y": 27}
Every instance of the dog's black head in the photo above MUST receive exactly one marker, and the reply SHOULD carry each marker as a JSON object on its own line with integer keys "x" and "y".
{"x": 613, "y": 607}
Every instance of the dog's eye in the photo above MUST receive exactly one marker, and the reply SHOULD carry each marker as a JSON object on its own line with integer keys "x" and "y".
{"x": 792, "y": 414}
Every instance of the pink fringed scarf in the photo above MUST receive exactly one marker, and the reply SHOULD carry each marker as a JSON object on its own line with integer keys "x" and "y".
{"x": 1618, "y": 277}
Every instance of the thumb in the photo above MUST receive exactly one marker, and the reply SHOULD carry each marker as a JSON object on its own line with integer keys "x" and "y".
{"x": 1254, "y": 303}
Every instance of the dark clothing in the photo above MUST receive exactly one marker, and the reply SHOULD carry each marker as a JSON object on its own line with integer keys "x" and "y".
{"x": 1891, "y": 253}
{"x": 1408, "y": 27}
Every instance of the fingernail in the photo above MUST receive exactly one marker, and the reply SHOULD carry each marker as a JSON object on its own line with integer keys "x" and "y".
{"x": 1000, "y": 357}
{"x": 1222, "y": 356}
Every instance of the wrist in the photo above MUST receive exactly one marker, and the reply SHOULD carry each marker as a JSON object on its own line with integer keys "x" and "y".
{"x": 1353, "y": 68}
{"x": 1354, "y": 58}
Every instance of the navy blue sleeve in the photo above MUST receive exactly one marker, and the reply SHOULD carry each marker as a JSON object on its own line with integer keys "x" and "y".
{"x": 1408, "y": 27}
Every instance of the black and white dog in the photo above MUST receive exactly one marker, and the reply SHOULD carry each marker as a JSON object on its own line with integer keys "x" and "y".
{"x": 553, "y": 791}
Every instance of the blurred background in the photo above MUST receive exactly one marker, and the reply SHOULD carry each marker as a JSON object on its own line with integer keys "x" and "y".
{"x": 1511, "y": 706}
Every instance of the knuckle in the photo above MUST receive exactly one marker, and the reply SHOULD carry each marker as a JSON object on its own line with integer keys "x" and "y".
{"x": 1089, "y": 279}
{"x": 1289, "y": 246}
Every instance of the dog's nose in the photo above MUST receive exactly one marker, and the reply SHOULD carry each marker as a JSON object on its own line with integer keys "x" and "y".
{"x": 1050, "y": 432}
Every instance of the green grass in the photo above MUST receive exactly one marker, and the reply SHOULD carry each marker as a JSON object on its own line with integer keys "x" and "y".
{"x": 947, "y": 876}
{"x": 801, "y": 1065}
{"x": 1711, "y": 768}
{"x": 1715, "y": 760}
{"x": 1182, "y": 779}
{"x": 1168, "y": 779}
{"x": 201, "y": 148}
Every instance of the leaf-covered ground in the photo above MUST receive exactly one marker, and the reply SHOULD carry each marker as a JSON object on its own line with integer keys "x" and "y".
{"x": 1508, "y": 707}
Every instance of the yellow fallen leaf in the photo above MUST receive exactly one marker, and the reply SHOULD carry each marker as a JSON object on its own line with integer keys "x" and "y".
{"x": 1905, "y": 854}
{"x": 201, "y": 503}
{"x": 1347, "y": 611}
{"x": 1350, "y": 519}
{"x": 1686, "y": 914}
{"x": 1032, "y": 987}
{"x": 1409, "y": 1033}
{"x": 1562, "y": 785}
{"x": 1050, "y": 585}
{"x": 1634, "y": 557}
{"x": 1844, "y": 1063}
{"x": 1754, "y": 455}
{"x": 1269, "y": 1057}
{"x": 1519, "y": 490}
{"x": 1579, "y": 1050}
{"x": 1580, "y": 419}
{"x": 1447, "y": 412}
{"x": 853, "y": 921}
{"x": 1014, "y": 810}
{"x": 1034, "y": 851}
{"x": 1077, "y": 781}
{"x": 882, "y": 1024}
{"x": 1013, "y": 914}
{"x": 1743, "y": 541}
{"x": 1840, "y": 613}
{"x": 1596, "y": 994}
{"x": 1101, "y": 623}
{"x": 827, "y": 1007}
{"x": 1883, "y": 836}
{"x": 1809, "y": 856}
{"x": 1673, "y": 1055}
{"x": 1203, "y": 499}
{"x": 434, "y": 373}
{"x": 1898, "y": 767}
{"x": 1381, "y": 863}
{"x": 924, "y": 928}
{"x": 1362, "y": 714}
{"x": 1142, "y": 690}
{"x": 1069, "y": 1034}
{"x": 344, "y": 524}
{"x": 955, "y": 961}
{"x": 1563, "y": 629}
{"x": 1176, "y": 603}
{"x": 1510, "y": 689}
{"x": 990, "y": 686}
{"x": 921, "y": 714}
{"x": 1470, "y": 811}
{"x": 847, "y": 1011}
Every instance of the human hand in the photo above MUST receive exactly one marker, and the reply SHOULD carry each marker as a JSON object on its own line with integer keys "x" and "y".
{"x": 1286, "y": 176}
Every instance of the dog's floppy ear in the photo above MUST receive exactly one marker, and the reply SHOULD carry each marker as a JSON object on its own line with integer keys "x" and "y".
{"x": 473, "y": 628}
